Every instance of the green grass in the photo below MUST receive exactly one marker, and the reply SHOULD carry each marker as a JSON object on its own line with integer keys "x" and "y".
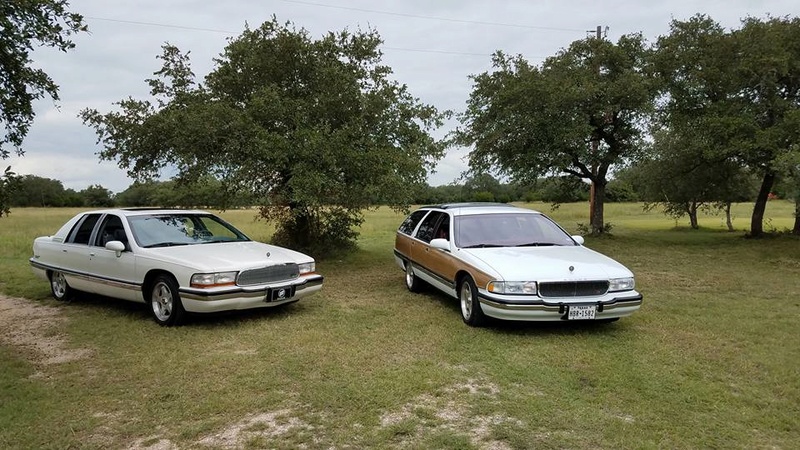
{"x": 711, "y": 360}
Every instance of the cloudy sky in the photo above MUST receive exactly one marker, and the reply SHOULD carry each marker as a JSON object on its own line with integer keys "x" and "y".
{"x": 432, "y": 46}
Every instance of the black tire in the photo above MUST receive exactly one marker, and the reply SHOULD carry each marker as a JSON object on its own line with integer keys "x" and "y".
{"x": 413, "y": 283}
{"x": 59, "y": 287}
{"x": 165, "y": 302}
{"x": 471, "y": 311}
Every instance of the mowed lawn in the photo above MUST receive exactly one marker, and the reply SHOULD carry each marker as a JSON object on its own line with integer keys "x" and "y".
{"x": 712, "y": 360}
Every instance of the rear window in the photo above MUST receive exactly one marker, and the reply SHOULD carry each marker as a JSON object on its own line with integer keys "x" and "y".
{"x": 408, "y": 225}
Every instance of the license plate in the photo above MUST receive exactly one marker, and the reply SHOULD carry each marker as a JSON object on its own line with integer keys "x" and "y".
{"x": 582, "y": 312}
{"x": 279, "y": 294}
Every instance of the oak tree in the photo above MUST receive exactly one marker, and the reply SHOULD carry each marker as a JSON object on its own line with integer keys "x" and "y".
{"x": 734, "y": 94}
{"x": 25, "y": 25}
{"x": 315, "y": 129}
{"x": 579, "y": 114}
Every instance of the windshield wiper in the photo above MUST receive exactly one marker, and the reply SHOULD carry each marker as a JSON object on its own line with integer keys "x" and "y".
{"x": 537, "y": 244}
{"x": 166, "y": 244}
{"x": 483, "y": 246}
{"x": 217, "y": 241}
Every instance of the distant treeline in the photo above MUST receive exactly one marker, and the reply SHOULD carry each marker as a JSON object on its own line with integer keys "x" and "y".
{"x": 37, "y": 191}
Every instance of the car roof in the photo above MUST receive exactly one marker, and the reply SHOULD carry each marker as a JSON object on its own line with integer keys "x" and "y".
{"x": 145, "y": 211}
{"x": 459, "y": 209}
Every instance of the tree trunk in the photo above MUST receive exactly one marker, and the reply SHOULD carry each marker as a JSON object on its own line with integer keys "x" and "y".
{"x": 728, "y": 220}
{"x": 757, "y": 221}
{"x": 597, "y": 225}
{"x": 693, "y": 215}
{"x": 796, "y": 229}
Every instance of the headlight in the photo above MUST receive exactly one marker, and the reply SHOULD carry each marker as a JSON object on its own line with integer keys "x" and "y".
{"x": 512, "y": 287}
{"x": 207, "y": 280}
{"x": 620, "y": 284}
{"x": 306, "y": 268}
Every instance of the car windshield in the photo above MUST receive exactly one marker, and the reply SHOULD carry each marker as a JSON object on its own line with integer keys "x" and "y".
{"x": 508, "y": 230}
{"x": 167, "y": 230}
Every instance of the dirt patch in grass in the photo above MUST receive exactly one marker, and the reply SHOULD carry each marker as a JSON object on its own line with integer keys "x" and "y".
{"x": 269, "y": 425}
{"x": 449, "y": 410}
{"x": 35, "y": 330}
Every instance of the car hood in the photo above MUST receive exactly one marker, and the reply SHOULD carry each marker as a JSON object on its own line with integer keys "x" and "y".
{"x": 556, "y": 263}
{"x": 228, "y": 255}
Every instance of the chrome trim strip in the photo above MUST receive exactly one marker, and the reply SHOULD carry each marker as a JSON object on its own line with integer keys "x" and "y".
{"x": 438, "y": 278}
{"x": 91, "y": 278}
{"x": 540, "y": 305}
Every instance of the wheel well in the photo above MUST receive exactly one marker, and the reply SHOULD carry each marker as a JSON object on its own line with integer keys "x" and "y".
{"x": 149, "y": 279}
{"x": 461, "y": 275}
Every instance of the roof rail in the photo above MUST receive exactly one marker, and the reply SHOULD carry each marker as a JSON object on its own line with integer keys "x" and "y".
{"x": 467, "y": 205}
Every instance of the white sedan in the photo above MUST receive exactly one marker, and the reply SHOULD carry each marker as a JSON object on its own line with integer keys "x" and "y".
{"x": 511, "y": 263}
{"x": 177, "y": 261}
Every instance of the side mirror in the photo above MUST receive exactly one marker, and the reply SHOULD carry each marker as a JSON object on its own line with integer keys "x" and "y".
{"x": 578, "y": 239}
{"x": 115, "y": 246}
{"x": 441, "y": 244}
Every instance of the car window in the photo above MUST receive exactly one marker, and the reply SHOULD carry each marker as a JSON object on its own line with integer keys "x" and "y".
{"x": 508, "y": 230}
{"x": 443, "y": 228}
{"x": 164, "y": 230}
{"x": 111, "y": 229}
{"x": 408, "y": 225}
{"x": 428, "y": 226}
{"x": 82, "y": 231}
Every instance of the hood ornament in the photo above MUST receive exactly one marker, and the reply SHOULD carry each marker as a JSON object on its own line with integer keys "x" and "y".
{"x": 571, "y": 268}
{"x": 268, "y": 255}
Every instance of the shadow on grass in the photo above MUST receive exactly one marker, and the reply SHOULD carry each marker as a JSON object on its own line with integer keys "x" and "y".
{"x": 522, "y": 327}
{"x": 141, "y": 311}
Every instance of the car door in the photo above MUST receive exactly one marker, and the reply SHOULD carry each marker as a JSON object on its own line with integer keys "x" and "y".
{"x": 434, "y": 265}
{"x": 73, "y": 256}
{"x": 424, "y": 256}
{"x": 115, "y": 274}
{"x": 404, "y": 241}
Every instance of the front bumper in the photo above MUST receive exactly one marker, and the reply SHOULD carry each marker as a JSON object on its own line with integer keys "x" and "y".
{"x": 261, "y": 296}
{"x": 610, "y": 306}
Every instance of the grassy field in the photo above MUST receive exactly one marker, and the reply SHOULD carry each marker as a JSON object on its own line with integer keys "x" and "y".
{"x": 711, "y": 361}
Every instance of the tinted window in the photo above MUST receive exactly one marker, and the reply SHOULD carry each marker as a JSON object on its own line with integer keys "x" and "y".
{"x": 111, "y": 229}
{"x": 428, "y": 226}
{"x": 443, "y": 229}
{"x": 408, "y": 225}
{"x": 82, "y": 231}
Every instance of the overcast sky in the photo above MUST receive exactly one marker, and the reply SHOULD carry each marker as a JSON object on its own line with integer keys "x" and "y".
{"x": 432, "y": 46}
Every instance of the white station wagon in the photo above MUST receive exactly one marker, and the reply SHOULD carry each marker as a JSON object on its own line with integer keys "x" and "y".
{"x": 511, "y": 263}
{"x": 178, "y": 261}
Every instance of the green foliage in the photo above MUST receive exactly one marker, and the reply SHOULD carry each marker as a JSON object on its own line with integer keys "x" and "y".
{"x": 24, "y": 26}
{"x": 788, "y": 165}
{"x": 562, "y": 190}
{"x": 9, "y": 184}
{"x": 97, "y": 196}
{"x": 681, "y": 178}
{"x": 139, "y": 194}
{"x": 620, "y": 190}
{"x": 39, "y": 191}
{"x": 310, "y": 127}
{"x": 733, "y": 95}
{"x": 578, "y": 114}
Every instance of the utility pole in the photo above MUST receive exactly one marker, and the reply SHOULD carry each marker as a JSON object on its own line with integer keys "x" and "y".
{"x": 595, "y": 149}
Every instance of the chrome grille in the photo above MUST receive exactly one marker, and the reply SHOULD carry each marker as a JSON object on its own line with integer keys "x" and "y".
{"x": 269, "y": 274}
{"x": 573, "y": 288}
